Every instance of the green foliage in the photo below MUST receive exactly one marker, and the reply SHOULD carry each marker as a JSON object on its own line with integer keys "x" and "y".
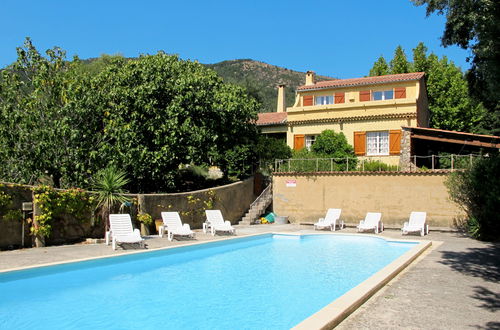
{"x": 477, "y": 191}
{"x": 161, "y": 112}
{"x": 66, "y": 120}
{"x": 269, "y": 148}
{"x": 377, "y": 165}
{"x": 46, "y": 127}
{"x": 380, "y": 67}
{"x": 109, "y": 185}
{"x": 399, "y": 63}
{"x": 52, "y": 204}
{"x": 334, "y": 145}
{"x": 5, "y": 200}
{"x": 145, "y": 218}
{"x": 13, "y": 215}
{"x": 328, "y": 153}
{"x": 450, "y": 106}
{"x": 473, "y": 25}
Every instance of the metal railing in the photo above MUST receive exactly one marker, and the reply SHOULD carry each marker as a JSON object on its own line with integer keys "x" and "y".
{"x": 370, "y": 164}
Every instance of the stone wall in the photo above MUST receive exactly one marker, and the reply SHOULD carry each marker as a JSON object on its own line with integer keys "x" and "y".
{"x": 233, "y": 200}
{"x": 306, "y": 197}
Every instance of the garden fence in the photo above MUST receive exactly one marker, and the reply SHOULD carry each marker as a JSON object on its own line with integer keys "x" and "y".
{"x": 417, "y": 163}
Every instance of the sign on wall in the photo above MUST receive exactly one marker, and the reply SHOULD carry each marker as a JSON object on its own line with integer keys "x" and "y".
{"x": 291, "y": 183}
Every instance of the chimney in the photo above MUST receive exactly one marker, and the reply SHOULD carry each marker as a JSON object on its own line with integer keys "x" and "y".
{"x": 310, "y": 78}
{"x": 281, "y": 99}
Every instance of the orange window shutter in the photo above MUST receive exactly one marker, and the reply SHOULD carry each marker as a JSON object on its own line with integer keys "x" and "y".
{"x": 364, "y": 96}
{"x": 400, "y": 92}
{"x": 308, "y": 100}
{"x": 360, "y": 143}
{"x": 395, "y": 142}
{"x": 298, "y": 141}
{"x": 339, "y": 98}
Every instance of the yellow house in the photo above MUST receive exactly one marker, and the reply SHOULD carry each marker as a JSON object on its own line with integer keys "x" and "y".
{"x": 369, "y": 111}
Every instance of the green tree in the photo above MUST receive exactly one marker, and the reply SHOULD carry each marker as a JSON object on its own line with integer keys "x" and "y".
{"x": 109, "y": 184}
{"x": 474, "y": 25}
{"x": 334, "y": 145}
{"x": 45, "y": 127}
{"x": 380, "y": 67}
{"x": 399, "y": 63}
{"x": 420, "y": 62}
{"x": 477, "y": 191}
{"x": 161, "y": 112}
{"x": 269, "y": 148}
{"x": 450, "y": 106}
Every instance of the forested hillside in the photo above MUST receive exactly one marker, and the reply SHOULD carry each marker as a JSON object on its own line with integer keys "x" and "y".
{"x": 261, "y": 79}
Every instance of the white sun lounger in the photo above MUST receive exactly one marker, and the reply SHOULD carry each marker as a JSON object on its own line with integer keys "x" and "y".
{"x": 215, "y": 222}
{"x": 173, "y": 225}
{"x": 371, "y": 222}
{"x": 330, "y": 220}
{"x": 416, "y": 223}
{"x": 121, "y": 231}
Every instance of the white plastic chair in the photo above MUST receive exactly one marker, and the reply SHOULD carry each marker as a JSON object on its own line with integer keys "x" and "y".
{"x": 371, "y": 222}
{"x": 416, "y": 223}
{"x": 215, "y": 222}
{"x": 121, "y": 231}
{"x": 330, "y": 220}
{"x": 173, "y": 225}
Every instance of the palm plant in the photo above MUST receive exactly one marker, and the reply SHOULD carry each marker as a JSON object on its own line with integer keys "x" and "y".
{"x": 108, "y": 184}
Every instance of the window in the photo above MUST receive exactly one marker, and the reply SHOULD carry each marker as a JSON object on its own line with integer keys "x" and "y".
{"x": 383, "y": 95}
{"x": 321, "y": 100}
{"x": 310, "y": 139}
{"x": 377, "y": 143}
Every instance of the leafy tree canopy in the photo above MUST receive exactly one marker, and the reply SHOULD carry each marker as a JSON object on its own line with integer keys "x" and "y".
{"x": 474, "y": 25}
{"x": 146, "y": 116}
{"x": 450, "y": 105}
{"x": 380, "y": 67}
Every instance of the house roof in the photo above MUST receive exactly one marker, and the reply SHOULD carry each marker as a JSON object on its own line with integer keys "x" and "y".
{"x": 362, "y": 81}
{"x": 271, "y": 118}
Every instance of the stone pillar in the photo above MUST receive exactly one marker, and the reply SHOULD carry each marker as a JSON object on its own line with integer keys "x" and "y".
{"x": 405, "y": 158}
{"x": 39, "y": 240}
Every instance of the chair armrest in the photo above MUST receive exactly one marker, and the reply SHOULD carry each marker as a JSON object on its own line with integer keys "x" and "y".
{"x": 406, "y": 224}
{"x": 361, "y": 222}
{"x": 186, "y": 226}
{"x": 321, "y": 219}
{"x": 137, "y": 232}
{"x": 227, "y": 223}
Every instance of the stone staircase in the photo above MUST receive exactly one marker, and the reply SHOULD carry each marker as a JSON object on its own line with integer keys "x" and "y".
{"x": 258, "y": 206}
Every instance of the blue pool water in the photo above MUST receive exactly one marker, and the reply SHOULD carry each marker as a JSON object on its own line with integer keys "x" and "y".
{"x": 262, "y": 282}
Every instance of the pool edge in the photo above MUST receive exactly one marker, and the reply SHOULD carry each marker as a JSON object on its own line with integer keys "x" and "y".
{"x": 331, "y": 315}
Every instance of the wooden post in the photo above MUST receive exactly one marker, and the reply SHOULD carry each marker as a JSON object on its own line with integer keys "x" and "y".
{"x": 432, "y": 161}
{"x": 452, "y": 162}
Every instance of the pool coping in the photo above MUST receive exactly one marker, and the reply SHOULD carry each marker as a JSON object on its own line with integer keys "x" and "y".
{"x": 327, "y": 317}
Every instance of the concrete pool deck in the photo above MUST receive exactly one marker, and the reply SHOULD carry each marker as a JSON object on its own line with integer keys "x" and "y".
{"x": 453, "y": 285}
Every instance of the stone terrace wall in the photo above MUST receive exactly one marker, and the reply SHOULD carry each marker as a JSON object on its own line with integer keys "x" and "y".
{"x": 306, "y": 197}
{"x": 233, "y": 200}
{"x": 11, "y": 231}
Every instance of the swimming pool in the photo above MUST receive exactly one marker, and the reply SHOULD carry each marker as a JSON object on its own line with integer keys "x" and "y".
{"x": 265, "y": 281}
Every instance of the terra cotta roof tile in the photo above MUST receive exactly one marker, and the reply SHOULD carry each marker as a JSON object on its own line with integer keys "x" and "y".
{"x": 363, "y": 81}
{"x": 271, "y": 118}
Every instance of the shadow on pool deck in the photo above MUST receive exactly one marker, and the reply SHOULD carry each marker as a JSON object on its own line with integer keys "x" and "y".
{"x": 483, "y": 262}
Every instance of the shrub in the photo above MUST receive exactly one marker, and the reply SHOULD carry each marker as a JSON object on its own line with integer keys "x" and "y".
{"x": 377, "y": 165}
{"x": 334, "y": 145}
{"x": 477, "y": 191}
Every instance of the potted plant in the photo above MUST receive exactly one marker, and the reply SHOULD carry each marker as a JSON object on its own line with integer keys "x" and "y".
{"x": 146, "y": 220}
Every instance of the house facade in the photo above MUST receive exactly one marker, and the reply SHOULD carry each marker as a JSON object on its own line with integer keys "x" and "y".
{"x": 369, "y": 111}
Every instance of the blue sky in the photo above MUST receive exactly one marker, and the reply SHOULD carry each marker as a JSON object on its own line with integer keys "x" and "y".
{"x": 335, "y": 38}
